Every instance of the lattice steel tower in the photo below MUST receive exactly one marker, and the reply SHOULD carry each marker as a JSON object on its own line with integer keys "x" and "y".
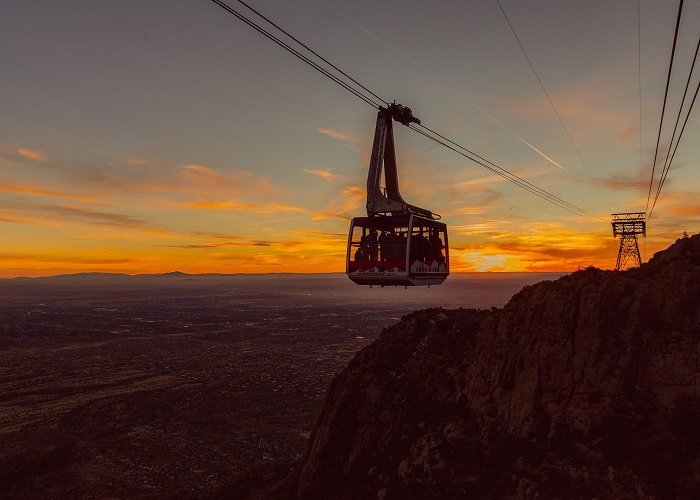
{"x": 627, "y": 226}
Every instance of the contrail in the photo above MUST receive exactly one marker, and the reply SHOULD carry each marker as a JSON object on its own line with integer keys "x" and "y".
{"x": 550, "y": 160}
{"x": 538, "y": 151}
{"x": 374, "y": 36}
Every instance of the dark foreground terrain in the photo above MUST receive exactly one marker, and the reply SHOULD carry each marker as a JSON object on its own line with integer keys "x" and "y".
{"x": 583, "y": 387}
{"x": 181, "y": 386}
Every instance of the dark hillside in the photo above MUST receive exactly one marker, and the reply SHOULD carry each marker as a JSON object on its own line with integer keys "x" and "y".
{"x": 587, "y": 386}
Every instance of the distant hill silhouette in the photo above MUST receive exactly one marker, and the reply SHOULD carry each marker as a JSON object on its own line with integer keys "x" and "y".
{"x": 97, "y": 277}
{"x": 583, "y": 387}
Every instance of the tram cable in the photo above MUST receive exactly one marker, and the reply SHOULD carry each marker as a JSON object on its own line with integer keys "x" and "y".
{"x": 502, "y": 171}
{"x": 665, "y": 173}
{"x": 295, "y": 52}
{"x": 515, "y": 179}
{"x": 639, "y": 87}
{"x": 663, "y": 108}
{"x": 667, "y": 163}
{"x": 528, "y": 186}
{"x": 551, "y": 103}
{"x": 311, "y": 50}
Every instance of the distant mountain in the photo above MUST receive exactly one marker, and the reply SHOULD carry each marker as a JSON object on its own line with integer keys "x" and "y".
{"x": 74, "y": 276}
{"x": 171, "y": 274}
{"x": 583, "y": 387}
{"x": 122, "y": 277}
{"x": 106, "y": 278}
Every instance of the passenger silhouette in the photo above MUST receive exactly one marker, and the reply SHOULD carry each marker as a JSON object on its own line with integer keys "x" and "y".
{"x": 436, "y": 247}
{"x": 384, "y": 246}
{"x": 398, "y": 247}
{"x": 362, "y": 253}
{"x": 372, "y": 243}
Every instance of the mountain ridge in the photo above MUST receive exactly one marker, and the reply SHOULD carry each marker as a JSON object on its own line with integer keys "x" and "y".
{"x": 587, "y": 385}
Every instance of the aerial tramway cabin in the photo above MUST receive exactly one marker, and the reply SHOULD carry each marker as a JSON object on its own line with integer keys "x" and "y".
{"x": 397, "y": 244}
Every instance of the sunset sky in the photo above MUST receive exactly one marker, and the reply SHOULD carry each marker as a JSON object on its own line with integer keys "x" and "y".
{"x": 152, "y": 136}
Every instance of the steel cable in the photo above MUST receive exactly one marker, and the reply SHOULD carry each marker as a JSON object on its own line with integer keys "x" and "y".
{"x": 479, "y": 160}
{"x": 663, "y": 108}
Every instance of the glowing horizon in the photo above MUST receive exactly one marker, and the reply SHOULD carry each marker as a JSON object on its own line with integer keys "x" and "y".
{"x": 137, "y": 141}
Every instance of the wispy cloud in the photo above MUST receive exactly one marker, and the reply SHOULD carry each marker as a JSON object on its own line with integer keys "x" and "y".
{"x": 140, "y": 161}
{"x": 92, "y": 216}
{"x": 222, "y": 245}
{"x": 63, "y": 259}
{"x": 201, "y": 173}
{"x": 35, "y": 191}
{"x": 678, "y": 204}
{"x": 619, "y": 180}
{"x": 479, "y": 181}
{"x": 324, "y": 173}
{"x": 129, "y": 177}
{"x": 334, "y": 134}
{"x": 474, "y": 197}
{"x": 344, "y": 208}
{"x": 44, "y": 213}
{"x": 32, "y": 154}
{"x": 547, "y": 246}
{"x": 236, "y": 205}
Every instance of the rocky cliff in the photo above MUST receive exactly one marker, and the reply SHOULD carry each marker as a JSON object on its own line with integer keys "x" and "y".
{"x": 587, "y": 386}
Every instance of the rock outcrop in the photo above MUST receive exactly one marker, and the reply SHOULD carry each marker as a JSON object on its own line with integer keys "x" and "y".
{"x": 587, "y": 386}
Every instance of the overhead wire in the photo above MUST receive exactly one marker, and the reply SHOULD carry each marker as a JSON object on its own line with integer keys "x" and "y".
{"x": 439, "y": 138}
{"x": 667, "y": 163}
{"x": 685, "y": 122}
{"x": 551, "y": 102}
{"x": 502, "y": 171}
{"x": 639, "y": 82}
{"x": 311, "y": 50}
{"x": 663, "y": 108}
{"x": 639, "y": 87}
{"x": 515, "y": 179}
{"x": 295, "y": 52}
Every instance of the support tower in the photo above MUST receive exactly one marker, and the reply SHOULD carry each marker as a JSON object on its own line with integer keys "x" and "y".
{"x": 627, "y": 226}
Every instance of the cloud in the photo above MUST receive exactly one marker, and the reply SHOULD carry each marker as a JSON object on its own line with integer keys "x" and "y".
{"x": 319, "y": 244}
{"x": 476, "y": 199}
{"x": 480, "y": 181}
{"x": 334, "y": 134}
{"x": 678, "y": 204}
{"x": 235, "y": 205}
{"x": 618, "y": 181}
{"x": 140, "y": 161}
{"x": 65, "y": 259}
{"x": 130, "y": 177}
{"x": 532, "y": 247}
{"x": 589, "y": 107}
{"x": 201, "y": 173}
{"x": 32, "y": 154}
{"x": 201, "y": 179}
{"x": 222, "y": 245}
{"x": 34, "y": 191}
{"x": 214, "y": 236}
{"x": 47, "y": 212}
{"x": 345, "y": 208}
{"x": 324, "y": 173}
{"x": 94, "y": 217}
{"x": 11, "y": 217}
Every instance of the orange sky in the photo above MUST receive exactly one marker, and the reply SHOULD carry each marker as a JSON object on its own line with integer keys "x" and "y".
{"x": 200, "y": 220}
{"x": 141, "y": 141}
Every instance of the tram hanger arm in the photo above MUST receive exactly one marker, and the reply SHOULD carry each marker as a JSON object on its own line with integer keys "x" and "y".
{"x": 388, "y": 200}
